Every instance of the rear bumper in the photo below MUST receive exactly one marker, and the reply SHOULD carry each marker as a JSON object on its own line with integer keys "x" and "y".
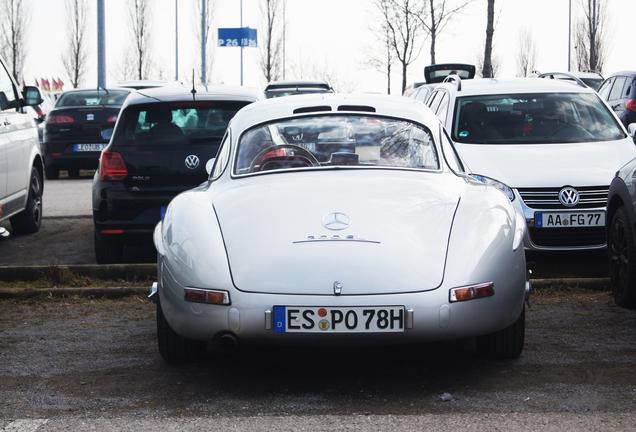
{"x": 62, "y": 154}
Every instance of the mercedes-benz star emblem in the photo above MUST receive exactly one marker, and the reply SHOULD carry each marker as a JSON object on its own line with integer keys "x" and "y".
{"x": 336, "y": 221}
{"x": 192, "y": 162}
{"x": 569, "y": 196}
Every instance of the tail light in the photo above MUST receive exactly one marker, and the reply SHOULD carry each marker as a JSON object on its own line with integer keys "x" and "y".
{"x": 112, "y": 167}
{"x": 112, "y": 119}
{"x": 472, "y": 292}
{"x": 51, "y": 119}
{"x": 631, "y": 105}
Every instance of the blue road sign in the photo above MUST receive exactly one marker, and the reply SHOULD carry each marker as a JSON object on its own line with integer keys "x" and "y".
{"x": 237, "y": 37}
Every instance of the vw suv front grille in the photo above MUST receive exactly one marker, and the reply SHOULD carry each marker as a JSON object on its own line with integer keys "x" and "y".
{"x": 546, "y": 199}
{"x": 591, "y": 197}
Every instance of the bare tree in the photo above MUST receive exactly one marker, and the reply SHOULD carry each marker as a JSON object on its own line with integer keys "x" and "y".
{"x": 487, "y": 70}
{"x": 75, "y": 58}
{"x": 527, "y": 52}
{"x": 440, "y": 14}
{"x": 382, "y": 58}
{"x": 403, "y": 19}
{"x": 308, "y": 68}
{"x": 210, "y": 8}
{"x": 270, "y": 59}
{"x": 592, "y": 35}
{"x": 14, "y": 19}
{"x": 139, "y": 12}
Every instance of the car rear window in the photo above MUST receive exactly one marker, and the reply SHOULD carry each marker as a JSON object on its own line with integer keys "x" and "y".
{"x": 336, "y": 141}
{"x": 534, "y": 119}
{"x": 92, "y": 97}
{"x": 175, "y": 123}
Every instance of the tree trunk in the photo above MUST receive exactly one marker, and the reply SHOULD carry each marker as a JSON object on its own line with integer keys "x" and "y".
{"x": 490, "y": 30}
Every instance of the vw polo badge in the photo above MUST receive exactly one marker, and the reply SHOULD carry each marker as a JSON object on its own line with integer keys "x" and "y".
{"x": 192, "y": 162}
{"x": 569, "y": 196}
{"x": 336, "y": 221}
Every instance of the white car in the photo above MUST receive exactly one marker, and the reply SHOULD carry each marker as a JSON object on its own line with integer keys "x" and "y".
{"x": 21, "y": 169}
{"x": 334, "y": 219}
{"x": 552, "y": 145}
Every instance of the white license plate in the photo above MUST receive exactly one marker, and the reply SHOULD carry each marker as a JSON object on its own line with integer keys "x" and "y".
{"x": 89, "y": 147}
{"x": 359, "y": 319}
{"x": 567, "y": 219}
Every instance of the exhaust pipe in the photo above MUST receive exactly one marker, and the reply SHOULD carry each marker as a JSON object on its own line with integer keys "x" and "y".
{"x": 227, "y": 343}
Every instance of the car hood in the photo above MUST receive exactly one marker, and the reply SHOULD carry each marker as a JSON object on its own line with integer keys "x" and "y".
{"x": 549, "y": 165}
{"x": 396, "y": 241}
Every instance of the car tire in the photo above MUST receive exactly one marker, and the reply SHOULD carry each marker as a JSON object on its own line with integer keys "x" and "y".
{"x": 108, "y": 252}
{"x": 52, "y": 172}
{"x": 622, "y": 259}
{"x": 73, "y": 172}
{"x": 174, "y": 348}
{"x": 29, "y": 220}
{"x": 505, "y": 344}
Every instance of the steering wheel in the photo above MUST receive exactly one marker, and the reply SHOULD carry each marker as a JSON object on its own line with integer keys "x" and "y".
{"x": 304, "y": 154}
{"x": 571, "y": 131}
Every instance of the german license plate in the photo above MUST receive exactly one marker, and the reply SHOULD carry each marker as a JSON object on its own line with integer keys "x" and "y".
{"x": 359, "y": 319}
{"x": 89, "y": 147}
{"x": 567, "y": 219}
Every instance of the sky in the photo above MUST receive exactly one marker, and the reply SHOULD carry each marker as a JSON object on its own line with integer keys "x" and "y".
{"x": 333, "y": 35}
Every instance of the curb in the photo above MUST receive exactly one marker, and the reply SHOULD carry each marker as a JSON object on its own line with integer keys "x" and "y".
{"x": 99, "y": 271}
{"x": 102, "y": 293}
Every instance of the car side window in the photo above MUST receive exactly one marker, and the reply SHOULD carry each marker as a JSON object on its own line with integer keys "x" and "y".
{"x": 452, "y": 159}
{"x": 629, "y": 85}
{"x": 7, "y": 94}
{"x": 443, "y": 107}
{"x": 434, "y": 100}
{"x": 605, "y": 88}
{"x": 617, "y": 89}
{"x": 221, "y": 158}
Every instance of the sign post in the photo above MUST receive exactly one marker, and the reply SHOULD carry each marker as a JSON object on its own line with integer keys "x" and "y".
{"x": 238, "y": 37}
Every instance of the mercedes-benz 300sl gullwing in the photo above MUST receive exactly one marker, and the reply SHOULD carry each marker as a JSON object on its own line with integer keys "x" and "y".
{"x": 339, "y": 220}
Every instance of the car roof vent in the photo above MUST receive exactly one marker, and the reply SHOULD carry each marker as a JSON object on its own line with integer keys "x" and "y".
{"x": 312, "y": 109}
{"x": 359, "y": 108}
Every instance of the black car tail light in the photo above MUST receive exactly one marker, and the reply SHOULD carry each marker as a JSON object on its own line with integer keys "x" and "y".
{"x": 59, "y": 119}
{"x": 113, "y": 167}
{"x": 112, "y": 119}
{"x": 631, "y": 105}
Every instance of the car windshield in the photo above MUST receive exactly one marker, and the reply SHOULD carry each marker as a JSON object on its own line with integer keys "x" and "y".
{"x": 534, "y": 119}
{"x": 92, "y": 97}
{"x": 189, "y": 122}
{"x": 327, "y": 141}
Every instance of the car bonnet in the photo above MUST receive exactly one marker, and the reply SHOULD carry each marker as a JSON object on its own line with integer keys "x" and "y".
{"x": 374, "y": 233}
{"x": 549, "y": 165}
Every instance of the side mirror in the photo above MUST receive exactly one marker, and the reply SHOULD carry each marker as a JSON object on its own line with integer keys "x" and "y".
{"x": 631, "y": 129}
{"x": 32, "y": 96}
{"x": 210, "y": 164}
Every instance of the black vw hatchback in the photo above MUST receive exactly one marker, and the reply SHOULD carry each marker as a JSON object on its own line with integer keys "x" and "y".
{"x": 161, "y": 144}
{"x": 78, "y": 129}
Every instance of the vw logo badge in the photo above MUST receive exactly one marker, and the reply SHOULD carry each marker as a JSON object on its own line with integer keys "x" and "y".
{"x": 336, "y": 221}
{"x": 192, "y": 162}
{"x": 569, "y": 196}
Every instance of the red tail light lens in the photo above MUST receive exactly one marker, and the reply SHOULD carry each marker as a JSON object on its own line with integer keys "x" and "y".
{"x": 472, "y": 292}
{"x": 631, "y": 105}
{"x": 112, "y": 119}
{"x": 112, "y": 167}
{"x": 51, "y": 119}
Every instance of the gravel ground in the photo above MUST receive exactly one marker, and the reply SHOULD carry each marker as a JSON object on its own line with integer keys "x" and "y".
{"x": 69, "y": 361}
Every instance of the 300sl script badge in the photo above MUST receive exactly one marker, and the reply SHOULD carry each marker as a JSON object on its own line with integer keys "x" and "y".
{"x": 336, "y": 221}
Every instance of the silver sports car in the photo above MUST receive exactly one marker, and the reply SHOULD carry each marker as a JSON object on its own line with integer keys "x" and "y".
{"x": 339, "y": 220}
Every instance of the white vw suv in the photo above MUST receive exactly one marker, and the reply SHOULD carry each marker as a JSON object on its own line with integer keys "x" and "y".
{"x": 21, "y": 166}
{"x": 552, "y": 146}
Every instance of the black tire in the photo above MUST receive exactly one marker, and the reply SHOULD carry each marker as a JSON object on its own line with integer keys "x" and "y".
{"x": 52, "y": 172}
{"x": 174, "y": 348}
{"x": 505, "y": 344}
{"x": 73, "y": 172}
{"x": 29, "y": 220}
{"x": 622, "y": 259}
{"x": 108, "y": 252}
